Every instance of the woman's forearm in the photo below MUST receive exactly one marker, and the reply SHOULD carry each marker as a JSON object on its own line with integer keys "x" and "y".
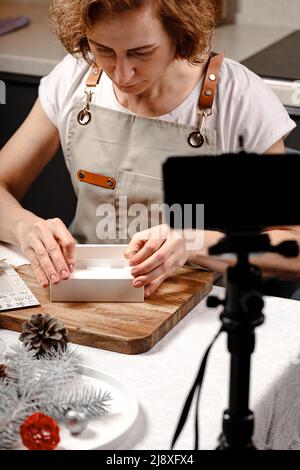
{"x": 13, "y": 217}
{"x": 277, "y": 265}
{"x": 200, "y": 257}
{"x": 271, "y": 264}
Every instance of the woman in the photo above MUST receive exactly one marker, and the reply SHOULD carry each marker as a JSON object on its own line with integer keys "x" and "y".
{"x": 158, "y": 87}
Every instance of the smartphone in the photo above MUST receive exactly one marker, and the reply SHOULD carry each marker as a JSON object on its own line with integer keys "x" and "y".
{"x": 235, "y": 192}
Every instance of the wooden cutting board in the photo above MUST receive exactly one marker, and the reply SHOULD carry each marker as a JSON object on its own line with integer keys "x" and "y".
{"x": 125, "y": 328}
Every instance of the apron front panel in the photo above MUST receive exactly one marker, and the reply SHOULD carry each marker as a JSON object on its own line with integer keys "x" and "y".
{"x": 97, "y": 145}
{"x": 131, "y": 150}
{"x": 154, "y": 141}
{"x": 90, "y": 150}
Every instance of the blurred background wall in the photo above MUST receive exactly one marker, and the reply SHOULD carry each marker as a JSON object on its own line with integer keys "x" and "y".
{"x": 260, "y": 12}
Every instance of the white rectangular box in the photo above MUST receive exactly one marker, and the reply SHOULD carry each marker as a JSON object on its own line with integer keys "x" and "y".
{"x": 102, "y": 274}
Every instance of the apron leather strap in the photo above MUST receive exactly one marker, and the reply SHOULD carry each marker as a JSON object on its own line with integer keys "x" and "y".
{"x": 210, "y": 82}
{"x": 209, "y": 87}
{"x": 94, "y": 77}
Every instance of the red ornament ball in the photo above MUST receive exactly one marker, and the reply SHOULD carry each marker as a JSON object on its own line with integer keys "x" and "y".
{"x": 39, "y": 432}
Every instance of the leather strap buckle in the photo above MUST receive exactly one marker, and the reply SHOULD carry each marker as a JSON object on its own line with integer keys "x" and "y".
{"x": 85, "y": 117}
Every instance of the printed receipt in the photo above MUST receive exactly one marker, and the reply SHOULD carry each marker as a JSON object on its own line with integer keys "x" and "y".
{"x": 14, "y": 293}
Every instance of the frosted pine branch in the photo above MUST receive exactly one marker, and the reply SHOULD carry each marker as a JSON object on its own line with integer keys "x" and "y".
{"x": 13, "y": 411}
{"x": 91, "y": 401}
{"x": 48, "y": 384}
{"x": 53, "y": 370}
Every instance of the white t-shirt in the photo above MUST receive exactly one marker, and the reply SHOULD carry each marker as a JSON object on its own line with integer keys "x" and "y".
{"x": 244, "y": 105}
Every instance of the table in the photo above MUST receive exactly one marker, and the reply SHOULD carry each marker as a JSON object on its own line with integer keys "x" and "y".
{"x": 162, "y": 378}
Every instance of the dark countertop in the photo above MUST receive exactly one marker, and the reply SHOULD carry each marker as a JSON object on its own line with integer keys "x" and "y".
{"x": 279, "y": 61}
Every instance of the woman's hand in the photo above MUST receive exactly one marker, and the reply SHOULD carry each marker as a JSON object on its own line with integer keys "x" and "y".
{"x": 50, "y": 248}
{"x": 155, "y": 255}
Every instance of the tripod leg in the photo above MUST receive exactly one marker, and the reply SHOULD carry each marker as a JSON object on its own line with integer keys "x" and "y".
{"x": 238, "y": 420}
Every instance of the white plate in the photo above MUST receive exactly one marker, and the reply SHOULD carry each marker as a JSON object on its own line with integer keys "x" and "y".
{"x": 108, "y": 431}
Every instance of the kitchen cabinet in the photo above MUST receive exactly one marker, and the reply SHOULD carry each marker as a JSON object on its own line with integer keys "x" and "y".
{"x": 52, "y": 194}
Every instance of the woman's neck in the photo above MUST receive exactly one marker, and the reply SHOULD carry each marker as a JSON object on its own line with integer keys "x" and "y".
{"x": 166, "y": 95}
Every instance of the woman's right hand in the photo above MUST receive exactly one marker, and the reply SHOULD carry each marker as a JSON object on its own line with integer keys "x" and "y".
{"x": 49, "y": 247}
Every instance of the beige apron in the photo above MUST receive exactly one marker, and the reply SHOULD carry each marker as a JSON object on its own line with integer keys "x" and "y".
{"x": 115, "y": 162}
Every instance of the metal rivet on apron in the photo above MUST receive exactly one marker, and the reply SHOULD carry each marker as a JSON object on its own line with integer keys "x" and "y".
{"x": 95, "y": 72}
{"x": 212, "y": 77}
{"x": 110, "y": 183}
{"x": 81, "y": 175}
{"x": 208, "y": 93}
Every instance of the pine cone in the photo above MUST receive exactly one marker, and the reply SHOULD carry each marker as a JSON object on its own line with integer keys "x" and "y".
{"x": 43, "y": 332}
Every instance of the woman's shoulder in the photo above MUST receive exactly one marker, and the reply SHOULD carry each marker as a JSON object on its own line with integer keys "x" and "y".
{"x": 69, "y": 67}
{"x": 237, "y": 74}
{"x": 67, "y": 74}
{"x": 60, "y": 87}
{"x": 240, "y": 88}
{"x": 252, "y": 109}
{"x": 235, "y": 78}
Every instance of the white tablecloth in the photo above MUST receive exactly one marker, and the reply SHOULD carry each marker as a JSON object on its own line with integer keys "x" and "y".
{"x": 162, "y": 377}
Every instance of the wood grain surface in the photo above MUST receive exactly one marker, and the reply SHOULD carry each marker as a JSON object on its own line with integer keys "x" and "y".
{"x": 122, "y": 327}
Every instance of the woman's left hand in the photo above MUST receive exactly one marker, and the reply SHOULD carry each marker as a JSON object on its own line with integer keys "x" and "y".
{"x": 155, "y": 254}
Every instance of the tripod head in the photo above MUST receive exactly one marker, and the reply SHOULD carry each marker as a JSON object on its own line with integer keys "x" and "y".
{"x": 243, "y": 245}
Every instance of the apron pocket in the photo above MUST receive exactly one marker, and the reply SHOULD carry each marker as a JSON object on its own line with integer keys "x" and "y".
{"x": 137, "y": 200}
{"x": 94, "y": 221}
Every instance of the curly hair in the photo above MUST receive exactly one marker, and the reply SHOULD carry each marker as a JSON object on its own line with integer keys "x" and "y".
{"x": 190, "y": 22}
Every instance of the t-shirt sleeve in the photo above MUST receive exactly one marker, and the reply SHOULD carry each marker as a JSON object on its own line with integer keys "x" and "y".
{"x": 264, "y": 120}
{"x": 59, "y": 86}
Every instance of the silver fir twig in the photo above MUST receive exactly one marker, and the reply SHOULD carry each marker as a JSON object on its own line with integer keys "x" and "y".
{"x": 91, "y": 401}
{"x": 43, "y": 384}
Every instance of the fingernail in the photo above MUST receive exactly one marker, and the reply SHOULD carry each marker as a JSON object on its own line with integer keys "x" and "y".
{"x": 131, "y": 263}
{"x": 147, "y": 293}
{"x": 134, "y": 272}
{"x": 53, "y": 278}
{"x": 64, "y": 274}
{"x": 138, "y": 284}
{"x": 71, "y": 268}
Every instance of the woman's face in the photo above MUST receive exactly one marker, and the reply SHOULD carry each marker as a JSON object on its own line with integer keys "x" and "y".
{"x": 133, "y": 49}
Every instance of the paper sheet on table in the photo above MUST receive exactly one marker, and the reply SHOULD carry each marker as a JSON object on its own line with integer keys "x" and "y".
{"x": 14, "y": 293}
{"x": 12, "y": 255}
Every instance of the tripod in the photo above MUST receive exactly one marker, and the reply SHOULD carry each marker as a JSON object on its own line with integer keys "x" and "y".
{"x": 241, "y": 315}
